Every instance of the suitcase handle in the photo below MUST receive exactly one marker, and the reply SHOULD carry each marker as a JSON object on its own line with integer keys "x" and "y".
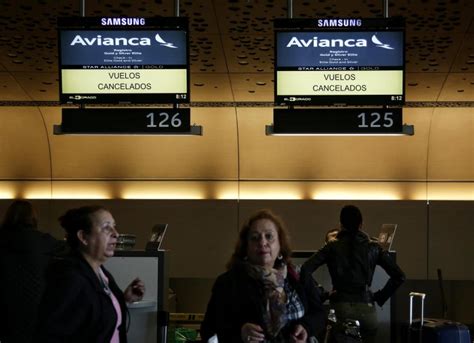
{"x": 419, "y": 295}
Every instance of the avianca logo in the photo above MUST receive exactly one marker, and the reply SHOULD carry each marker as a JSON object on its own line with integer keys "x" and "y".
{"x": 163, "y": 42}
{"x": 120, "y": 41}
{"x": 335, "y": 43}
{"x": 325, "y": 43}
{"x": 379, "y": 44}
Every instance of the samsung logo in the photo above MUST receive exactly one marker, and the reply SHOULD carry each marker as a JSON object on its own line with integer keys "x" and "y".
{"x": 339, "y": 22}
{"x": 326, "y": 43}
{"x": 122, "y": 21}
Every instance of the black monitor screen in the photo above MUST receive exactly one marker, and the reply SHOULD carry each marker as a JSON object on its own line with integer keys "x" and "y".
{"x": 339, "y": 65}
{"x": 115, "y": 60}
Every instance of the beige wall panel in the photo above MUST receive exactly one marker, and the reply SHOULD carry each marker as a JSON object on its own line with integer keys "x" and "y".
{"x": 201, "y": 14}
{"x": 211, "y": 156}
{"x": 461, "y": 301}
{"x": 235, "y": 17}
{"x": 331, "y": 158}
{"x": 211, "y": 87}
{"x": 450, "y": 239}
{"x": 308, "y": 222}
{"x": 458, "y": 87}
{"x": 11, "y": 89}
{"x": 250, "y": 53}
{"x": 143, "y": 189}
{"x": 200, "y": 236}
{"x": 463, "y": 62}
{"x": 411, "y": 237}
{"x": 39, "y": 86}
{"x": 331, "y": 190}
{"x": 252, "y": 87}
{"x": 25, "y": 189}
{"x": 206, "y": 53}
{"x": 420, "y": 55}
{"x": 451, "y": 153}
{"x": 424, "y": 86}
{"x": 192, "y": 295}
{"x": 451, "y": 190}
{"x": 24, "y": 149}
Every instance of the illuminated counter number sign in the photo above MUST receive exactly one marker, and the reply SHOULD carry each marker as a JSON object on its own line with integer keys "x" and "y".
{"x": 126, "y": 120}
{"x": 334, "y": 121}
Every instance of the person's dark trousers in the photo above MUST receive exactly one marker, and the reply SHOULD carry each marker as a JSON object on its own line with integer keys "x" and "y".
{"x": 363, "y": 312}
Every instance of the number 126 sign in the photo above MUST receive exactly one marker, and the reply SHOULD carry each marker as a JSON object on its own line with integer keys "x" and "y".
{"x": 126, "y": 120}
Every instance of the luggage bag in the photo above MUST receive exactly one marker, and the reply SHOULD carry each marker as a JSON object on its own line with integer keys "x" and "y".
{"x": 429, "y": 330}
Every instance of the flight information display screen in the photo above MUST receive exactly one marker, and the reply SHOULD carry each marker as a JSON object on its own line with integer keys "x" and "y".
{"x": 123, "y": 60}
{"x": 339, "y": 61}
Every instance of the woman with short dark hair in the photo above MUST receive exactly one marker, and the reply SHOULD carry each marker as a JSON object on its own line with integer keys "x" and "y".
{"x": 82, "y": 302}
{"x": 261, "y": 297}
{"x": 20, "y": 213}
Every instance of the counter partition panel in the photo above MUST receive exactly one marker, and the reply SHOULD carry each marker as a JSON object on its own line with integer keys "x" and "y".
{"x": 151, "y": 268}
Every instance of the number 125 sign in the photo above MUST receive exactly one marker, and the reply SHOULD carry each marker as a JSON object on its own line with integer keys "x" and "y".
{"x": 339, "y": 120}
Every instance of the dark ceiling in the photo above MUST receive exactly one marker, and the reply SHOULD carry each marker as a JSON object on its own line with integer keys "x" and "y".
{"x": 232, "y": 44}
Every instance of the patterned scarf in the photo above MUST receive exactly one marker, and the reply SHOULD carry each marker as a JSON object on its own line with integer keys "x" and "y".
{"x": 274, "y": 311}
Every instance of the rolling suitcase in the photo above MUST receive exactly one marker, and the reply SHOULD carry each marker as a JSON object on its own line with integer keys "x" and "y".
{"x": 429, "y": 330}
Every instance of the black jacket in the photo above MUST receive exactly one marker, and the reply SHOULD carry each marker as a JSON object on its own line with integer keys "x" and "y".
{"x": 24, "y": 255}
{"x": 75, "y": 307}
{"x": 351, "y": 261}
{"x": 236, "y": 299}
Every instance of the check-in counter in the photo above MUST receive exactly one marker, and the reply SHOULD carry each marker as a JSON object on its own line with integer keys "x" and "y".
{"x": 152, "y": 268}
{"x": 386, "y": 331}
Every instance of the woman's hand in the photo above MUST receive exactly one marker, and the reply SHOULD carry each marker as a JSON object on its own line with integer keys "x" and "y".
{"x": 252, "y": 333}
{"x": 299, "y": 334}
{"x": 134, "y": 291}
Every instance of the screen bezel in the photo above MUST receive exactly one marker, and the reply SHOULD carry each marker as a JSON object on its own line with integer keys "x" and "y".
{"x": 89, "y": 24}
{"x": 395, "y": 24}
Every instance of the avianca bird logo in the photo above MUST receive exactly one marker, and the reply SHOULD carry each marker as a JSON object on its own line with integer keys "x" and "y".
{"x": 163, "y": 42}
{"x": 379, "y": 44}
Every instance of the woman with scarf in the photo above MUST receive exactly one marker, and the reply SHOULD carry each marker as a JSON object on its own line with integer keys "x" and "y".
{"x": 262, "y": 298}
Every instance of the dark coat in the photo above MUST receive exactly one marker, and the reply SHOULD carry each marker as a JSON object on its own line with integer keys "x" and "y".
{"x": 237, "y": 299}
{"x": 75, "y": 307}
{"x": 351, "y": 261}
{"x": 24, "y": 255}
